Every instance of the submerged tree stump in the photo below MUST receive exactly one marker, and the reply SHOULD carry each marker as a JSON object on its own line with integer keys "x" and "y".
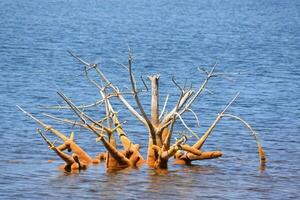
{"x": 159, "y": 123}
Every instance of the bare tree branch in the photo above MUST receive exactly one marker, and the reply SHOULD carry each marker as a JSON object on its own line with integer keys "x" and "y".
{"x": 177, "y": 85}
{"x": 46, "y": 126}
{"x": 119, "y": 95}
{"x": 134, "y": 90}
{"x": 190, "y": 102}
{"x": 167, "y": 140}
{"x": 90, "y": 66}
{"x": 80, "y": 114}
{"x": 165, "y": 105}
{"x": 74, "y": 123}
{"x": 195, "y": 115}
{"x": 174, "y": 148}
{"x": 182, "y": 100}
{"x": 254, "y": 134}
{"x": 184, "y": 124}
{"x": 51, "y": 145}
{"x": 201, "y": 141}
{"x": 80, "y": 107}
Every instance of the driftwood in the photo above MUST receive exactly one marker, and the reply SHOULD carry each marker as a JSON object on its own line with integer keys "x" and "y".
{"x": 159, "y": 124}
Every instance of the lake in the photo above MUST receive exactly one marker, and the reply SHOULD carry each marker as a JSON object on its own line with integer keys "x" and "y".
{"x": 255, "y": 43}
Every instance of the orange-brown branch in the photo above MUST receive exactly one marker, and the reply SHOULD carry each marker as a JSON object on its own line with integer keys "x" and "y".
{"x": 187, "y": 158}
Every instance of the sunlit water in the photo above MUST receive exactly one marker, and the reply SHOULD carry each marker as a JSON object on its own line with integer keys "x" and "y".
{"x": 256, "y": 43}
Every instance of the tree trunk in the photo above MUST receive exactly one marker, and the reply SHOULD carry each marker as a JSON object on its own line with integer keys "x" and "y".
{"x": 111, "y": 162}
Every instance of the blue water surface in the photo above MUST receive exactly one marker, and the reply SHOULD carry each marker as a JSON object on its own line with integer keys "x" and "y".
{"x": 255, "y": 43}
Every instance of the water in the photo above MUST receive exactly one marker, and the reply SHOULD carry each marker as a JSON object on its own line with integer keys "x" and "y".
{"x": 255, "y": 42}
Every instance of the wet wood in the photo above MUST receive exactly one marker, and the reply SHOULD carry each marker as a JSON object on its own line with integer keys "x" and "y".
{"x": 159, "y": 125}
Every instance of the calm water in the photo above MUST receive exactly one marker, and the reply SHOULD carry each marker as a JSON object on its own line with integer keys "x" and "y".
{"x": 256, "y": 43}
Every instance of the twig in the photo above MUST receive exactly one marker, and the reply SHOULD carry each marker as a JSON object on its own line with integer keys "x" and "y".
{"x": 80, "y": 107}
{"x": 145, "y": 85}
{"x": 201, "y": 88}
{"x": 80, "y": 115}
{"x": 245, "y": 123}
{"x": 74, "y": 123}
{"x": 90, "y": 66}
{"x": 64, "y": 120}
{"x": 45, "y": 138}
{"x": 172, "y": 122}
{"x": 196, "y": 117}
{"x": 177, "y": 85}
{"x": 120, "y": 96}
{"x": 188, "y": 128}
{"x": 183, "y": 98}
{"x": 164, "y": 107}
{"x": 135, "y": 94}
{"x": 124, "y": 66}
{"x": 46, "y": 126}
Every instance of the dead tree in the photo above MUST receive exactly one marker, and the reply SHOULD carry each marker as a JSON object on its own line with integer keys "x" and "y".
{"x": 159, "y": 124}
